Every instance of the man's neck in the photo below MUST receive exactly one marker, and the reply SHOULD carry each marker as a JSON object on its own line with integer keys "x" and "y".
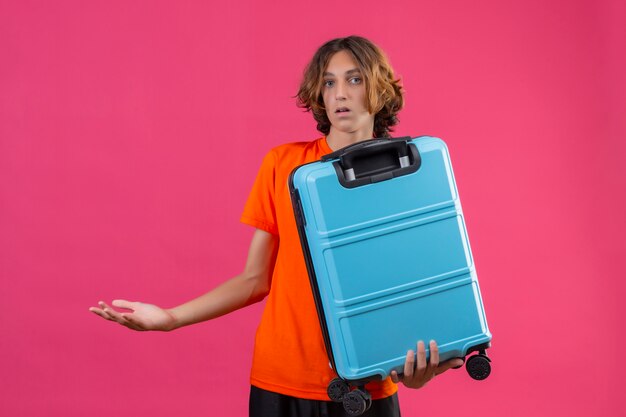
{"x": 337, "y": 139}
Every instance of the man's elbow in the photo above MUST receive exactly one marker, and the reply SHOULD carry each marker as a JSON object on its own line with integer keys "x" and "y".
{"x": 260, "y": 284}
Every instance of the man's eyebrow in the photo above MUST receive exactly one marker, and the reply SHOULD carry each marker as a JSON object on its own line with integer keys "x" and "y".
{"x": 350, "y": 72}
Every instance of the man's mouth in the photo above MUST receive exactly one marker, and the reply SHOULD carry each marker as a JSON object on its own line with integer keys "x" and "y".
{"x": 342, "y": 110}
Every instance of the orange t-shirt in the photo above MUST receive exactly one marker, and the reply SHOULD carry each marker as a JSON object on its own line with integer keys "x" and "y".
{"x": 289, "y": 354}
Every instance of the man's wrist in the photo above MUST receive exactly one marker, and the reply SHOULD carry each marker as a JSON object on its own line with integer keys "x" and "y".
{"x": 176, "y": 322}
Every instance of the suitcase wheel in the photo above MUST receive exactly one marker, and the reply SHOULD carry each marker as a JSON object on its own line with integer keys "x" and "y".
{"x": 478, "y": 366}
{"x": 357, "y": 402}
{"x": 337, "y": 389}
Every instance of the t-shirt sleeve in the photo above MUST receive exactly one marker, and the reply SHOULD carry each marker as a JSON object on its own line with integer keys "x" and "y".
{"x": 260, "y": 208}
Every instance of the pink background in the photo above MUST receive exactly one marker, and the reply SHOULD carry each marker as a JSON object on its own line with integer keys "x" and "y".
{"x": 131, "y": 132}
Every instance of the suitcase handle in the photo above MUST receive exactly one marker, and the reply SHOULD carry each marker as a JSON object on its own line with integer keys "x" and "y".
{"x": 374, "y": 160}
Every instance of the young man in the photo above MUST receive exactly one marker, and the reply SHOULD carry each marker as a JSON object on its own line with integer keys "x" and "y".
{"x": 349, "y": 87}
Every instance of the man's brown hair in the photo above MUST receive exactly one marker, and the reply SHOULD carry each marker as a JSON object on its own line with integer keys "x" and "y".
{"x": 384, "y": 93}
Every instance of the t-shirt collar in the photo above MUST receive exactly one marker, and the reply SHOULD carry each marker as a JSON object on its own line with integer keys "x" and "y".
{"x": 324, "y": 146}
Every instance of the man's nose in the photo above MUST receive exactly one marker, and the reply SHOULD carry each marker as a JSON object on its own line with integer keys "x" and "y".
{"x": 340, "y": 91}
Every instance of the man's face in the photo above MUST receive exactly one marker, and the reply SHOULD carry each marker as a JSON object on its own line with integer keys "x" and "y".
{"x": 344, "y": 95}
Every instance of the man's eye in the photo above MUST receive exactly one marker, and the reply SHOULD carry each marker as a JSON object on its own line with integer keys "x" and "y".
{"x": 355, "y": 80}
{"x": 328, "y": 83}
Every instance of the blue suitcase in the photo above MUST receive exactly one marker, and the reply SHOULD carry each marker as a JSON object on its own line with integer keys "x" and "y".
{"x": 389, "y": 261}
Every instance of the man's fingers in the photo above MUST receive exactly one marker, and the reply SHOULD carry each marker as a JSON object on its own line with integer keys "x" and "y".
{"x": 409, "y": 364}
{"x": 452, "y": 363}
{"x": 394, "y": 377}
{"x": 421, "y": 358}
{"x": 124, "y": 304}
{"x": 128, "y": 318}
{"x": 108, "y": 313}
{"x": 460, "y": 362}
{"x": 114, "y": 314}
{"x": 433, "y": 361}
{"x": 100, "y": 313}
{"x": 131, "y": 324}
{"x": 434, "y": 354}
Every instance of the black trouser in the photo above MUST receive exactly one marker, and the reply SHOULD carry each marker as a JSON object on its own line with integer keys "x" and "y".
{"x": 270, "y": 404}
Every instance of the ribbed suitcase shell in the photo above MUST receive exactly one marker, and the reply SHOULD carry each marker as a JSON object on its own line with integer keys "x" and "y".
{"x": 390, "y": 264}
